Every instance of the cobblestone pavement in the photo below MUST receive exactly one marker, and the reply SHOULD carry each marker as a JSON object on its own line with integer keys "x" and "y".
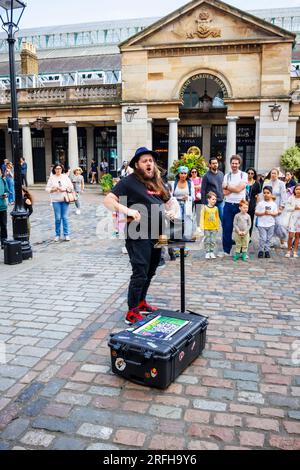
{"x": 56, "y": 311}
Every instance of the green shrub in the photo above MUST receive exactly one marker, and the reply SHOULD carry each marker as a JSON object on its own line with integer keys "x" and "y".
{"x": 106, "y": 183}
{"x": 290, "y": 160}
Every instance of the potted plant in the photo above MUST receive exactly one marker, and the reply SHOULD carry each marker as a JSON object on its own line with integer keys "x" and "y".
{"x": 106, "y": 183}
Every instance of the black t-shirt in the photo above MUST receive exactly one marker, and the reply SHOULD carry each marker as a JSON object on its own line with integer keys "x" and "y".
{"x": 132, "y": 192}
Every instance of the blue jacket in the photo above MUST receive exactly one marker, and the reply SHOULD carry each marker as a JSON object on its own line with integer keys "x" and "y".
{"x": 3, "y": 190}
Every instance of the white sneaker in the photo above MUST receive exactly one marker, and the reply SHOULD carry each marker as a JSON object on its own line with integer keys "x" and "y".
{"x": 67, "y": 239}
{"x": 124, "y": 250}
{"x": 207, "y": 256}
{"x": 222, "y": 254}
{"x": 56, "y": 239}
{"x": 213, "y": 256}
{"x": 78, "y": 212}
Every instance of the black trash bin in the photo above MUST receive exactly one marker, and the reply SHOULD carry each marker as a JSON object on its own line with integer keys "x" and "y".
{"x": 12, "y": 252}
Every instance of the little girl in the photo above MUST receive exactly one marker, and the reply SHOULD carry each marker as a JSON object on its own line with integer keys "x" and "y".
{"x": 293, "y": 207}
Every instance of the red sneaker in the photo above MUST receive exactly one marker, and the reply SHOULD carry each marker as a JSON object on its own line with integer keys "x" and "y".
{"x": 145, "y": 307}
{"x": 133, "y": 316}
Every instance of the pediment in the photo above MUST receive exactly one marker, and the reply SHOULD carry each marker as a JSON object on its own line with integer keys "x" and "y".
{"x": 207, "y": 21}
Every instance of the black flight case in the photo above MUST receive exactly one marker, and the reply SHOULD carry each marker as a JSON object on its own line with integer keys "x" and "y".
{"x": 147, "y": 355}
{"x": 156, "y": 350}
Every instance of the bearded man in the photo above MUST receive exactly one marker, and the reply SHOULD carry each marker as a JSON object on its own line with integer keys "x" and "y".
{"x": 144, "y": 190}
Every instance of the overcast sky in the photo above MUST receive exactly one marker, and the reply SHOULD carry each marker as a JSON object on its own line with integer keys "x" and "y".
{"x": 57, "y": 12}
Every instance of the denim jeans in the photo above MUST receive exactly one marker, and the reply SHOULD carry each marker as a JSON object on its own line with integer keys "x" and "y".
{"x": 61, "y": 210}
{"x": 188, "y": 222}
{"x": 77, "y": 203}
{"x": 230, "y": 210}
{"x": 220, "y": 206}
{"x": 11, "y": 189}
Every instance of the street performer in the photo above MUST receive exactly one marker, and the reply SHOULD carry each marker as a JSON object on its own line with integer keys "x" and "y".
{"x": 141, "y": 197}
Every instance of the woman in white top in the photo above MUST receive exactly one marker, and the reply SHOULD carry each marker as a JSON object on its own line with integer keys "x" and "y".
{"x": 280, "y": 197}
{"x": 58, "y": 185}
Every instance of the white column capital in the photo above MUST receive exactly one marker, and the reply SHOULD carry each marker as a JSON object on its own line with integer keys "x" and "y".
{"x": 206, "y": 126}
{"x": 173, "y": 119}
{"x": 232, "y": 118}
{"x": 256, "y": 118}
{"x": 118, "y": 122}
{"x": 24, "y": 123}
{"x": 150, "y": 120}
{"x": 71, "y": 123}
{"x": 293, "y": 118}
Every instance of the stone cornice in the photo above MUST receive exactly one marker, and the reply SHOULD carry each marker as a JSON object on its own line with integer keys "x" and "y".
{"x": 213, "y": 49}
{"x": 257, "y": 99}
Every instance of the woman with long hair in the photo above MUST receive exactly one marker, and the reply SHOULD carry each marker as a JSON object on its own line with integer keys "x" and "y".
{"x": 28, "y": 203}
{"x": 58, "y": 185}
{"x": 184, "y": 192}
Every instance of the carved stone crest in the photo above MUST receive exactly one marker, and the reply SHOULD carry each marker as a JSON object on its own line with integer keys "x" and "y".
{"x": 205, "y": 29}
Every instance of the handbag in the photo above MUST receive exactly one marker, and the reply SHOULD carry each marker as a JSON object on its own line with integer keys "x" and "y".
{"x": 70, "y": 196}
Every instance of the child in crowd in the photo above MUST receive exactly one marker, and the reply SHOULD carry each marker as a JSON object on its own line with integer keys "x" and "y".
{"x": 78, "y": 183}
{"x": 266, "y": 211}
{"x": 241, "y": 231}
{"x": 293, "y": 208}
{"x": 210, "y": 223}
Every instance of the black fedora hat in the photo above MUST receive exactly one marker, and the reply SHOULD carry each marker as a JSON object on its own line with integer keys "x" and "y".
{"x": 142, "y": 151}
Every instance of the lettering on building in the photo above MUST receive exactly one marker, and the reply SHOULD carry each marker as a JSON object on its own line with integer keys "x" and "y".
{"x": 201, "y": 76}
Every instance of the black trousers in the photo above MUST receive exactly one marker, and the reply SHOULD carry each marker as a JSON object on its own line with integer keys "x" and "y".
{"x": 24, "y": 181}
{"x": 3, "y": 226}
{"x": 144, "y": 259}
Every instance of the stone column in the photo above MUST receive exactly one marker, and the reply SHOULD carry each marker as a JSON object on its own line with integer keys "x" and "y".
{"x": 256, "y": 157}
{"x": 206, "y": 141}
{"x": 73, "y": 145}
{"x": 149, "y": 133}
{"x": 27, "y": 151}
{"x": 173, "y": 140}
{"x": 231, "y": 140}
{"x": 90, "y": 147}
{"x": 48, "y": 150}
{"x": 119, "y": 143}
{"x": 8, "y": 154}
{"x": 292, "y": 130}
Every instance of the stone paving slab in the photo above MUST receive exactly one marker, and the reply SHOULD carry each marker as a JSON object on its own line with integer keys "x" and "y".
{"x": 56, "y": 314}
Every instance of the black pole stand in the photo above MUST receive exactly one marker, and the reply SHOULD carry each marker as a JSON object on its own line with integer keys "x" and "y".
{"x": 19, "y": 214}
{"x": 181, "y": 246}
{"x": 182, "y": 279}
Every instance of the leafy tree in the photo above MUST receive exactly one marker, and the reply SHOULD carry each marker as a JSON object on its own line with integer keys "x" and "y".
{"x": 290, "y": 160}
